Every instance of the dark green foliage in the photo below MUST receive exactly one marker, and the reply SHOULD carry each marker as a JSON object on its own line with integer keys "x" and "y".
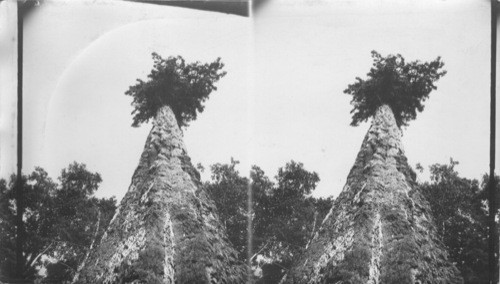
{"x": 284, "y": 217}
{"x": 60, "y": 221}
{"x": 229, "y": 191}
{"x": 461, "y": 219}
{"x": 60, "y": 271}
{"x": 7, "y": 229}
{"x": 184, "y": 87}
{"x": 392, "y": 81}
{"x": 294, "y": 181}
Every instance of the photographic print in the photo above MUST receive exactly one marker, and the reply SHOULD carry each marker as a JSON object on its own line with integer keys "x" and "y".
{"x": 279, "y": 141}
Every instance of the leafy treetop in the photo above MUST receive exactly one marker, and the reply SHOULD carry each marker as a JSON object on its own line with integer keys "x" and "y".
{"x": 402, "y": 86}
{"x": 184, "y": 87}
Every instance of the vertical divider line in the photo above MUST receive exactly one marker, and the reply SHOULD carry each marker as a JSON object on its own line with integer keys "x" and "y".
{"x": 19, "y": 195}
{"x": 493, "y": 232}
{"x": 250, "y": 141}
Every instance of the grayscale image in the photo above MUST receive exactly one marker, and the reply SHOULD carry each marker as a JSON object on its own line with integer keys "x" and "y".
{"x": 236, "y": 141}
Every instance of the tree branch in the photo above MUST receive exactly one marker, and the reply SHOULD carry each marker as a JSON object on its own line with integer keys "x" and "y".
{"x": 82, "y": 264}
{"x": 33, "y": 260}
{"x": 255, "y": 254}
{"x": 313, "y": 230}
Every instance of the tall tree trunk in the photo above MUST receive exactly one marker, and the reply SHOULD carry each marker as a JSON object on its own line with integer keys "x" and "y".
{"x": 379, "y": 229}
{"x": 166, "y": 229}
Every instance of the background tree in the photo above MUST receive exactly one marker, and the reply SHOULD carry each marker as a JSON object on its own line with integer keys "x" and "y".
{"x": 392, "y": 81}
{"x": 459, "y": 211}
{"x": 287, "y": 211}
{"x": 284, "y": 216}
{"x": 7, "y": 230}
{"x": 184, "y": 87}
{"x": 229, "y": 191}
{"x": 61, "y": 222}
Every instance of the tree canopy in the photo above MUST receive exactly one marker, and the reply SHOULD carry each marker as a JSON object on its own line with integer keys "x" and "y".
{"x": 173, "y": 82}
{"x": 459, "y": 211}
{"x": 61, "y": 221}
{"x": 284, "y": 217}
{"x": 229, "y": 191}
{"x": 403, "y": 86}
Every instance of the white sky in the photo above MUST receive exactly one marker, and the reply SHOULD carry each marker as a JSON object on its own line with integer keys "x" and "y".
{"x": 8, "y": 89}
{"x": 282, "y": 98}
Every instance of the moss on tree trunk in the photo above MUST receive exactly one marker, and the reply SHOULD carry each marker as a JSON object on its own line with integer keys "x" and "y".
{"x": 166, "y": 229}
{"x": 379, "y": 229}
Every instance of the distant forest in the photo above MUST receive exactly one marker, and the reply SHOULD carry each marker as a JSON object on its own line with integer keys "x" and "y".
{"x": 63, "y": 219}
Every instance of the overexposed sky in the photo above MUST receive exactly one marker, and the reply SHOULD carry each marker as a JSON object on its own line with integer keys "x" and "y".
{"x": 307, "y": 52}
{"x": 8, "y": 89}
{"x": 78, "y": 66}
{"x": 282, "y": 97}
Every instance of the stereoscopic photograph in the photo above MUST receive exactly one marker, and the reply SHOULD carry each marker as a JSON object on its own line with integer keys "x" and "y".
{"x": 238, "y": 141}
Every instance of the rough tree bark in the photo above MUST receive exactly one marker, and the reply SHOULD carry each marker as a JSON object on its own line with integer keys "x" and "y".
{"x": 379, "y": 229}
{"x": 166, "y": 229}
